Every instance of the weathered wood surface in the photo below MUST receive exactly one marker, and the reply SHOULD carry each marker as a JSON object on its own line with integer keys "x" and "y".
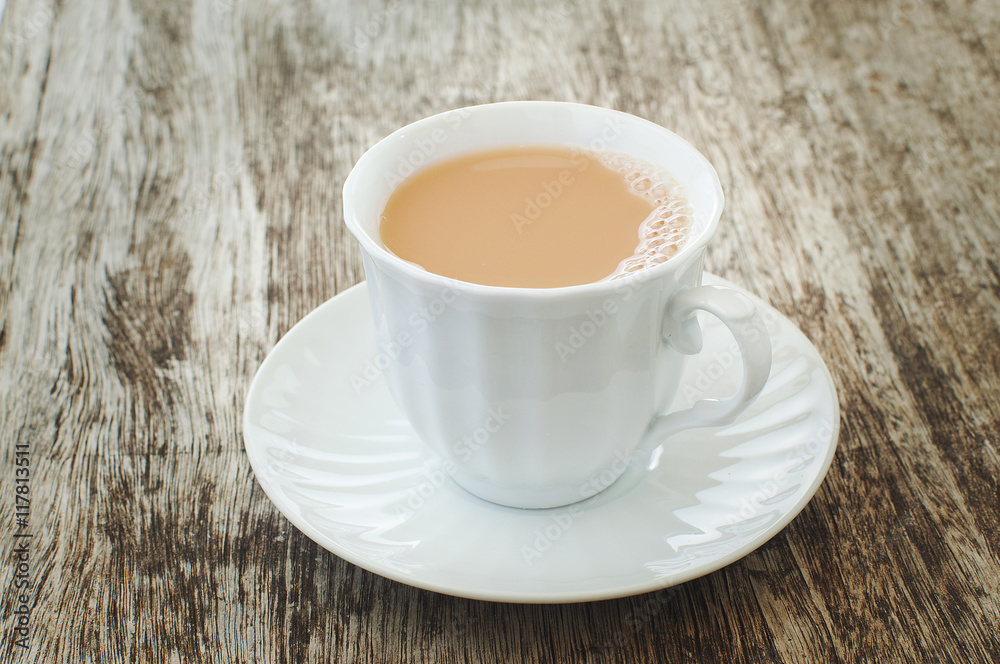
{"x": 170, "y": 197}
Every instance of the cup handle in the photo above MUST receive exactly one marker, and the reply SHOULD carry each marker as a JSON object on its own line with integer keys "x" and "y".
{"x": 681, "y": 332}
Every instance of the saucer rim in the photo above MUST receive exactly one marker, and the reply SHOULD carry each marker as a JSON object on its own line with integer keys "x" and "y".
{"x": 541, "y": 597}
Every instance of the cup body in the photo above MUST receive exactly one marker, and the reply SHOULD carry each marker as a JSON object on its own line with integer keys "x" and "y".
{"x": 533, "y": 397}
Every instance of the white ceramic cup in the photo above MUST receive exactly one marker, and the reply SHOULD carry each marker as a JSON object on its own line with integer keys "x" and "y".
{"x": 539, "y": 397}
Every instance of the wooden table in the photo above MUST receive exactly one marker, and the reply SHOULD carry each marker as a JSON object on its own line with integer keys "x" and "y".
{"x": 170, "y": 198}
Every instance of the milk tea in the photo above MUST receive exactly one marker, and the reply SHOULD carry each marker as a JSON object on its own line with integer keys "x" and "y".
{"x": 536, "y": 217}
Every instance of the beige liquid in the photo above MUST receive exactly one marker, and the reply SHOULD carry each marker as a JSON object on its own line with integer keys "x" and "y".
{"x": 535, "y": 217}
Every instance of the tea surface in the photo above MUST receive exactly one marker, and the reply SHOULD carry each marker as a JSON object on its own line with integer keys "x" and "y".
{"x": 534, "y": 217}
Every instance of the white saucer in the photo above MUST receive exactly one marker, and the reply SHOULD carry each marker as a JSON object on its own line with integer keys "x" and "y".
{"x": 342, "y": 464}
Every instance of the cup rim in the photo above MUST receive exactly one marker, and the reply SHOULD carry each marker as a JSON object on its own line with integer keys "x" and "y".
{"x": 407, "y": 269}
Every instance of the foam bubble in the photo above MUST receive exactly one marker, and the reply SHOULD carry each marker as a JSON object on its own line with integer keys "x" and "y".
{"x": 668, "y": 226}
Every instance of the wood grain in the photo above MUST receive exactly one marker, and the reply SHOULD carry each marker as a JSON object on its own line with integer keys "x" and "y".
{"x": 170, "y": 196}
